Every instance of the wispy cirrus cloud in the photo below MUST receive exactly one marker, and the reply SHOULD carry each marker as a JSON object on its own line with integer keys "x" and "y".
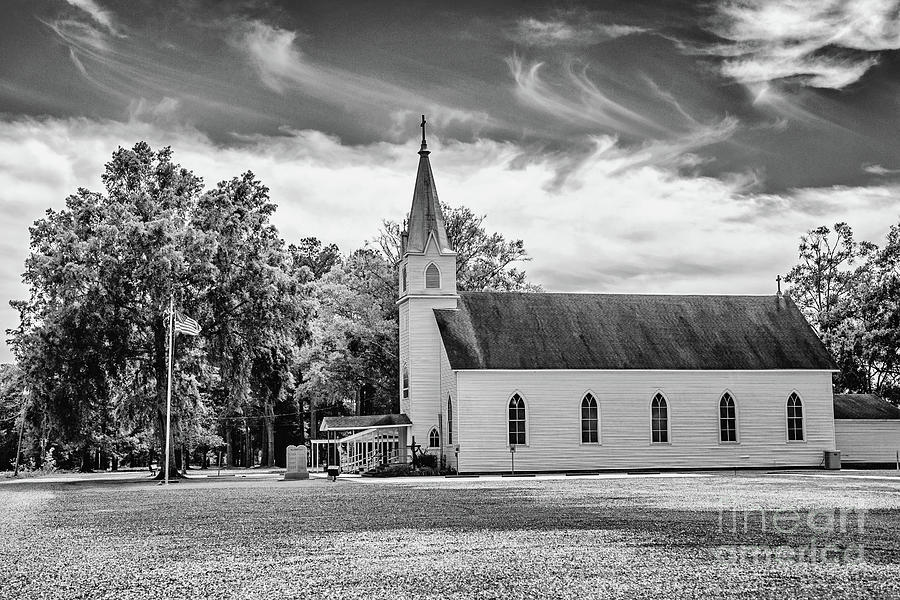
{"x": 577, "y": 99}
{"x": 567, "y": 29}
{"x": 282, "y": 66}
{"x": 99, "y": 14}
{"x": 822, "y": 44}
{"x": 649, "y": 138}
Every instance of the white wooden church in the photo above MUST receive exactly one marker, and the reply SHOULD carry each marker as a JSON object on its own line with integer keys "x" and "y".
{"x": 585, "y": 382}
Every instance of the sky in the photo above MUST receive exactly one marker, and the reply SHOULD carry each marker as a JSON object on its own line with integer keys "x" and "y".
{"x": 641, "y": 147}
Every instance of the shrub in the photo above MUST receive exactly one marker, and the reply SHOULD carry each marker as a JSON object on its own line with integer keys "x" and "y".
{"x": 429, "y": 461}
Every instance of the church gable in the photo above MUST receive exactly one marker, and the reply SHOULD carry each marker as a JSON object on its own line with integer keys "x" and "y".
{"x": 502, "y": 330}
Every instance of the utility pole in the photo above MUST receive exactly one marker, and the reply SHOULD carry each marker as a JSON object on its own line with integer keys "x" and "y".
{"x": 21, "y": 430}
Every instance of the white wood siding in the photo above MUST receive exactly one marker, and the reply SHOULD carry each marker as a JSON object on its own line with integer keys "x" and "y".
{"x": 867, "y": 440}
{"x": 404, "y": 353}
{"x": 421, "y": 348}
{"x": 553, "y": 400}
{"x": 448, "y": 389}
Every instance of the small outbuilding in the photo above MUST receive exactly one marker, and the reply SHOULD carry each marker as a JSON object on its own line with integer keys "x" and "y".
{"x": 866, "y": 429}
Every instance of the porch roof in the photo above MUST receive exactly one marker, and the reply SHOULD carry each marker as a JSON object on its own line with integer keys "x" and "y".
{"x": 364, "y": 422}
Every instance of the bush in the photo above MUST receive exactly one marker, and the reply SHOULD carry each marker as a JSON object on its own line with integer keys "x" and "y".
{"x": 402, "y": 470}
{"x": 429, "y": 461}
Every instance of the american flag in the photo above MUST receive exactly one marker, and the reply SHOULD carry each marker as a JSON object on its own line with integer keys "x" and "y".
{"x": 186, "y": 325}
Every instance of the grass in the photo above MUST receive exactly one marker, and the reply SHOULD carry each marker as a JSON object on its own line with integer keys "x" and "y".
{"x": 644, "y": 537}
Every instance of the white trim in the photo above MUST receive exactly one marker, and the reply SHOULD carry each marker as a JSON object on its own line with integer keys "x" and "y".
{"x": 363, "y": 428}
{"x": 803, "y": 417}
{"x": 527, "y": 419}
{"x": 423, "y": 252}
{"x": 868, "y": 420}
{"x": 432, "y": 297}
{"x": 665, "y": 398}
{"x": 599, "y": 441}
{"x": 737, "y": 419}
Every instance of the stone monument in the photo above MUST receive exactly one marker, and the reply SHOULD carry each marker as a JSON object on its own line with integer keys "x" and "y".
{"x": 296, "y": 463}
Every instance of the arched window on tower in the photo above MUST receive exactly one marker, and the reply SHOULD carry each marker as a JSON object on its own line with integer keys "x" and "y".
{"x": 794, "y": 418}
{"x": 516, "y": 420}
{"x": 434, "y": 438}
{"x": 449, "y": 420}
{"x": 432, "y": 277}
{"x": 405, "y": 385}
{"x": 727, "y": 419}
{"x": 659, "y": 420}
{"x": 590, "y": 420}
{"x": 403, "y": 279}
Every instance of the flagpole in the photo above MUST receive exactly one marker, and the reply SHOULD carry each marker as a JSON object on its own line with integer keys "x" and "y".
{"x": 169, "y": 385}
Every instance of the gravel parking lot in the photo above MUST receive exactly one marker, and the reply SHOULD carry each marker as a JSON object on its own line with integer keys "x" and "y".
{"x": 721, "y": 535}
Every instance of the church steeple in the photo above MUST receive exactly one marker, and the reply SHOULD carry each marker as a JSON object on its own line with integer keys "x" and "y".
{"x": 425, "y": 216}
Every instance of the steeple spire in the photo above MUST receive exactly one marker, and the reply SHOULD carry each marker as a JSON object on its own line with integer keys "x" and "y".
{"x": 425, "y": 216}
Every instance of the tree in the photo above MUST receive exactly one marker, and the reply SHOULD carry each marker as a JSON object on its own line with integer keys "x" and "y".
{"x": 101, "y": 272}
{"x": 823, "y": 278}
{"x": 253, "y": 301}
{"x": 875, "y": 315}
{"x": 92, "y": 335}
{"x": 850, "y": 293}
{"x": 11, "y": 403}
{"x": 483, "y": 260}
{"x": 349, "y": 362}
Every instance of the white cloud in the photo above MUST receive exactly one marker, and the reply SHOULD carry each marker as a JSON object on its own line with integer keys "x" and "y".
{"x": 620, "y": 223}
{"x": 561, "y": 31}
{"x": 778, "y": 39}
{"x": 97, "y": 13}
{"x": 879, "y": 170}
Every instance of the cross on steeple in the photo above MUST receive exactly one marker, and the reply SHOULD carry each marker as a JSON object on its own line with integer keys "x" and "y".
{"x": 424, "y": 144}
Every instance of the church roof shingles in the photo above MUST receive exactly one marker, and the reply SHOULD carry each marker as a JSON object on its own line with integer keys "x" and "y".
{"x": 863, "y": 406}
{"x": 508, "y": 330}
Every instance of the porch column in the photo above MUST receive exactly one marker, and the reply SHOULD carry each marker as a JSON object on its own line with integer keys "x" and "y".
{"x": 402, "y": 451}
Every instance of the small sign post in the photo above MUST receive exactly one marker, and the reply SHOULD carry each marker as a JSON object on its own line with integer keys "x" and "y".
{"x": 512, "y": 457}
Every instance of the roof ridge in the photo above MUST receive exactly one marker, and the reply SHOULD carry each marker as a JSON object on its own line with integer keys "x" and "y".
{"x": 643, "y": 294}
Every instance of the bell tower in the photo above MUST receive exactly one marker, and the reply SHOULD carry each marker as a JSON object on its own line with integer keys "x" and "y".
{"x": 427, "y": 280}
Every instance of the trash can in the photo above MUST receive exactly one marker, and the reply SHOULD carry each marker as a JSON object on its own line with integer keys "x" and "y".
{"x": 833, "y": 460}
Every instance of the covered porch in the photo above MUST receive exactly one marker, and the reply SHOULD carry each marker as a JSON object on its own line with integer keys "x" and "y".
{"x": 361, "y": 443}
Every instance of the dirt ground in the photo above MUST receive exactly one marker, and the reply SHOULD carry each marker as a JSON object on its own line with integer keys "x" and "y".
{"x": 747, "y": 535}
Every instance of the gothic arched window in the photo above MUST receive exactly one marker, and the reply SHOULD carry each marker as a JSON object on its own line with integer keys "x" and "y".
{"x": 794, "y": 418}
{"x": 405, "y": 385}
{"x": 590, "y": 420}
{"x": 434, "y": 438}
{"x": 432, "y": 277}
{"x": 516, "y": 420}
{"x": 727, "y": 419}
{"x": 403, "y": 279}
{"x": 449, "y": 420}
{"x": 659, "y": 420}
